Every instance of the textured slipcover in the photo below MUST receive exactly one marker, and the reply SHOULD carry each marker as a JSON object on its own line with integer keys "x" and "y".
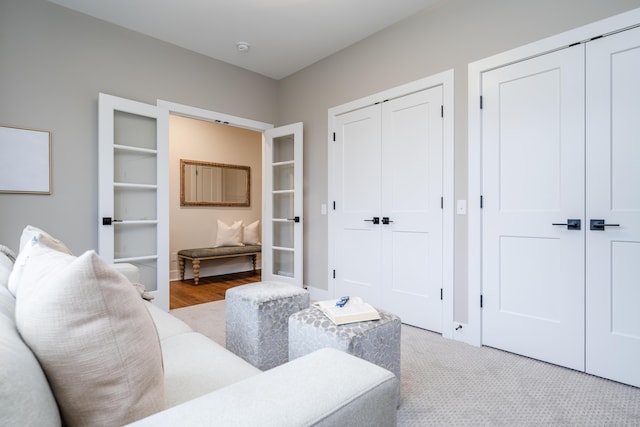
{"x": 257, "y": 318}
{"x": 377, "y": 341}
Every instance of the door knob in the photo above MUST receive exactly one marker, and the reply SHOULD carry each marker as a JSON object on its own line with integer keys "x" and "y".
{"x": 599, "y": 225}
{"x": 572, "y": 224}
{"x": 375, "y": 220}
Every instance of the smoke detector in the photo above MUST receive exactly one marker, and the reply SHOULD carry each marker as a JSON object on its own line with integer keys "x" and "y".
{"x": 242, "y": 46}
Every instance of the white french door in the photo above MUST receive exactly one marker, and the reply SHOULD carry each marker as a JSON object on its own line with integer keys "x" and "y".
{"x": 561, "y": 209}
{"x": 388, "y": 163}
{"x": 133, "y": 190}
{"x": 613, "y": 198}
{"x": 282, "y": 225}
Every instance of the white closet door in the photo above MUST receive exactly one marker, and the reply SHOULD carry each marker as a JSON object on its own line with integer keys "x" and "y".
{"x": 411, "y": 210}
{"x": 533, "y": 178}
{"x": 357, "y": 160}
{"x": 282, "y": 217}
{"x": 613, "y": 196}
{"x": 134, "y": 190}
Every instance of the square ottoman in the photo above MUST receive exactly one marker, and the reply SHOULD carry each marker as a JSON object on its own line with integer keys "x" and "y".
{"x": 377, "y": 341}
{"x": 257, "y": 321}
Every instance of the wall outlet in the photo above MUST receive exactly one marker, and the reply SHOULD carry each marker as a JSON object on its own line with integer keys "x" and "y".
{"x": 174, "y": 256}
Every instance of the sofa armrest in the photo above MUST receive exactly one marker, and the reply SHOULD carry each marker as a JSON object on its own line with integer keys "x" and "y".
{"x": 324, "y": 388}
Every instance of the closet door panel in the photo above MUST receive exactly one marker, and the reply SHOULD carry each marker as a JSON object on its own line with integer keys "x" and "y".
{"x": 613, "y": 174}
{"x": 412, "y": 149}
{"x": 533, "y": 178}
{"x": 357, "y": 158}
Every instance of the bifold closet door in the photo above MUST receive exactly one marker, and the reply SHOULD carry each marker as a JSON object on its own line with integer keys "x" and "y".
{"x": 613, "y": 197}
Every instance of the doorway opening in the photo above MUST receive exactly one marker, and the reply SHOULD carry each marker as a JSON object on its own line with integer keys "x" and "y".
{"x": 199, "y": 226}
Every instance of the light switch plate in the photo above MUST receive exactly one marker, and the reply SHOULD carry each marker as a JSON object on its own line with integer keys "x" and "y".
{"x": 461, "y": 207}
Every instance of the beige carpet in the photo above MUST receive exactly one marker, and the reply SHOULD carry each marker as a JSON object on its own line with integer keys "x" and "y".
{"x": 449, "y": 383}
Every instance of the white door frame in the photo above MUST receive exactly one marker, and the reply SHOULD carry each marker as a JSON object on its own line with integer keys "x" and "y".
{"x": 473, "y": 330}
{"x": 444, "y": 79}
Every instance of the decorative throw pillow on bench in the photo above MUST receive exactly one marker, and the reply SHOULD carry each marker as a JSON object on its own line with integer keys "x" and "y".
{"x": 237, "y": 234}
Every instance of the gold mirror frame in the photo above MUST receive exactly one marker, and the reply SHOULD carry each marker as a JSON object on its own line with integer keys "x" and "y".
{"x": 226, "y": 185}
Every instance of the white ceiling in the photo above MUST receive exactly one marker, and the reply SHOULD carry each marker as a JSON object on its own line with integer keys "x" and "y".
{"x": 284, "y": 36}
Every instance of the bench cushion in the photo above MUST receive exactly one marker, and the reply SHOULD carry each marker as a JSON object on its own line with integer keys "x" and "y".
{"x": 220, "y": 251}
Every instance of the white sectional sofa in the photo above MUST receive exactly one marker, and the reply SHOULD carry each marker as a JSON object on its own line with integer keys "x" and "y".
{"x": 79, "y": 345}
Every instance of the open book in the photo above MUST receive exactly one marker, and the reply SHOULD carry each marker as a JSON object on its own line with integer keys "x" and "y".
{"x": 355, "y": 310}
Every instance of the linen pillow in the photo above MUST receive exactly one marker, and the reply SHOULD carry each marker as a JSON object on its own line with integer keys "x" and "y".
{"x": 93, "y": 336}
{"x": 251, "y": 233}
{"x": 229, "y": 235}
{"x": 31, "y": 235}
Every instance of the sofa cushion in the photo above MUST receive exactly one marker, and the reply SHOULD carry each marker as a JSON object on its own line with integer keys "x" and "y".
{"x": 7, "y": 258}
{"x": 31, "y": 235}
{"x": 215, "y": 367}
{"x": 93, "y": 336}
{"x": 166, "y": 324}
{"x": 25, "y": 396}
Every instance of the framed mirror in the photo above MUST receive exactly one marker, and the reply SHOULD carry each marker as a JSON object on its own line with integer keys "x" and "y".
{"x": 214, "y": 184}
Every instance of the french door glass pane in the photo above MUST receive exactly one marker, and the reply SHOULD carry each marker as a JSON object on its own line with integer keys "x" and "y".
{"x": 136, "y": 204}
{"x": 134, "y": 131}
{"x": 134, "y": 240}
{"x": 283, "y": 149}
{"x": 283, "y": 263}
{"x": 283, "y": 205}
{"x": 134, "y": 167}
{"x": 283, "y": 234}
{"x": 283, "y": 177}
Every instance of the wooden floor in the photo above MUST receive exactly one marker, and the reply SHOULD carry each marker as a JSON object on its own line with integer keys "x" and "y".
{"x": 184, "y": 293}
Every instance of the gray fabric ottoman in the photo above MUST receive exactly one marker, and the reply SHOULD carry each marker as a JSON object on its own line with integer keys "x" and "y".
{"x": 377, "y": 341}
{"x": 257, "y": 321}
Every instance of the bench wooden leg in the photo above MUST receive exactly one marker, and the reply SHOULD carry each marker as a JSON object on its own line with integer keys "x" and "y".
{"x": 253, "y": 260}
{"x": 181, "y": 265}
{"x": 196, "y": 270}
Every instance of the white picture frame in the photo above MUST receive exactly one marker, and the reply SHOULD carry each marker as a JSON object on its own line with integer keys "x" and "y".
{"x": 25, "y": 160}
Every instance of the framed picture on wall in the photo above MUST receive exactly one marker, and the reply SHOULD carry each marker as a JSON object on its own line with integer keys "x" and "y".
{"x": 25, "y": 160}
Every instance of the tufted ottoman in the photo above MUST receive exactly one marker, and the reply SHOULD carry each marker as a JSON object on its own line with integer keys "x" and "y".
{"x": 257, "y": 321}
{"x": 377, "y": 341}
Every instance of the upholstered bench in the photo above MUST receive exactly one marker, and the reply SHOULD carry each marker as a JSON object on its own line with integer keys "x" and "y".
{"x": 202, "y": 254}
{"x": 257, "y": 321}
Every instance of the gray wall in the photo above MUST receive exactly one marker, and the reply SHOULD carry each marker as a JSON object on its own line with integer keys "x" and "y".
{"x": 53, "y": 63}
{"x": 448, "y": 35}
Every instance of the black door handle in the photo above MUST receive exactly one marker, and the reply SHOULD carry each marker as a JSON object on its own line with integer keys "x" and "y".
{"x": 386, "y": 220}
{"x": 375, "y": 220}
{"x": 572, "y": 224}
{"x": 294, "y": 219}
{"x": 599, "y": 225}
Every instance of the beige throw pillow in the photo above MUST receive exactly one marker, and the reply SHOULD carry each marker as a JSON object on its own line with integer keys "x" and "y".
{"x": 30, "y": 236}
{"x": 251, "y": 233}
{"x": 93, "y": 337}
{"x": 229, "y": 235}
